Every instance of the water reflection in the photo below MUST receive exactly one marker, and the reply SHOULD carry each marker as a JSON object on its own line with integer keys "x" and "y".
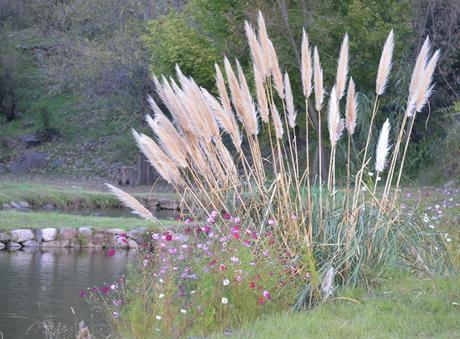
{"x": 37, "y": 285}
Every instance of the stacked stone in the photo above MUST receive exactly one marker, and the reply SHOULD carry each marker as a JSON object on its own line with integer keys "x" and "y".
{"x": 68, "y": 237}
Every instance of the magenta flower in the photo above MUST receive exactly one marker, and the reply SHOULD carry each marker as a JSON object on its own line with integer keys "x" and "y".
{"x": 261, "y": 301}
{"x": 227, "y": 216}
{"x": 267, "y": 295}
{"x": 105, "y": 289}
{"x": 111, "y": 252}
{"x": 82, "y": 294}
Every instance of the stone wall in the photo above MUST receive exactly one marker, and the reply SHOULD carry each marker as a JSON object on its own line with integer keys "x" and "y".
{"x": 67, "y": 237}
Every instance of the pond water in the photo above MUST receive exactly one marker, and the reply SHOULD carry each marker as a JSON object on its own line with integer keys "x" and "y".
{"x": 35, "y": 286}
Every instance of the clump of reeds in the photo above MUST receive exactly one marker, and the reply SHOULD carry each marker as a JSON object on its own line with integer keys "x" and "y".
{"x": 345, "y": 227}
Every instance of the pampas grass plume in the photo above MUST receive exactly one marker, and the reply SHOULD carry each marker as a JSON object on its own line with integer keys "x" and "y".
{"x": 351, "y": 108}
{"x": 318, "y": 80}
{"x": 335, "y": 124}
{"x": 384, "y": 65}
{"x": 307, "y": 69}
{"x": 131, "y": 202}
{"x": 342, "y": 68}
{"x": 382, "y": 147}
{"x": 291, "y": 113}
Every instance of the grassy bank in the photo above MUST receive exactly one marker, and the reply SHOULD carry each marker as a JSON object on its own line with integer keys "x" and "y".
{"x": 400, "y": 308}
{"x": 12, "y": 219}
{"x": 65, "y": 196}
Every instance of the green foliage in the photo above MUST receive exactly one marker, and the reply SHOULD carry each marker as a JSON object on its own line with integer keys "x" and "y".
{"x": 401, "y": 307}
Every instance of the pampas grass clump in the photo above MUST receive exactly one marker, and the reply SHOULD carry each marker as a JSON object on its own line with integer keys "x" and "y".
{"x": 348, "y": 228}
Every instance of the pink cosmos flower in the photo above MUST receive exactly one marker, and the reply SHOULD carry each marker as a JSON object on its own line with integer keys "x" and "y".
{"x": 111, "y": 252}
{"x": 267, "y": 295}
{"x": 222, "y": 267}
{"x": 261, "y": 301}
{"x": 168, "y": 237}
{"x": 172, "y": 250}
{"x": 105, "y": 289}
{"x": 271, "y": 222}
{"x": 214, "y": 214}
{"x": 252, "y": 284}
{"x": 236, "y": 220}
{"x": 227, "y": 216}
{"x": 82, "y": 294}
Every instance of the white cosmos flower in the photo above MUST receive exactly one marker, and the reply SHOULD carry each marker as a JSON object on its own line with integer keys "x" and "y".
{"x": 161, "y": 295}
{"x": 158, "y": 317}
{"x": 226, "y": 282}
{"x": 224, "y": 301}
{"x": 183, "y": 311}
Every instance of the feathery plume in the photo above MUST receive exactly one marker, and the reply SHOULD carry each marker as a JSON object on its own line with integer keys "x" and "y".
{"x": 291, "y": 113}
{"x": 264, "y": 44}
{"x": 131, "y": 202}
{"x": 425, "y": 88}
{"x": 262, "y": 101}
{"x": 254, "y": 46}
{"x": 276, "y": 71}
{"x": 277, "y": 122}
{"x": 235, "y": 89}
{"x": 419, "y": 67}
{"x": 170, "y": 140}
{"x": 342, "y": 68}
{"x": 351, "y": 108}
{"x": 318, "y": 80}
{"x": 250, "y": 114}
{"x": 224, "y": 118}
{"x": 384, "y": 65}
{"x": 335, "y": 124}
{"x": 307, "y": 69}
{"x": 222, "y": 89}
{"x": 382, "y": 147}
{"x": 159, "y": 160}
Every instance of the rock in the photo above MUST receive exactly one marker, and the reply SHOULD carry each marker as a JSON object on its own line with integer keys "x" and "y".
{"x": 55, "y": 243}
{"x": 30, "y": 243}
{"x": 23, "y": 204}
{"x": 115, "y": 231}
{"x": 450, "y": 184}
{"x": 152, "y": 203}
{"x": 28, "y": 161}
{"x": 6, "y": 206}
{"x": 30, "y": 249}
{"x": 75, "y": 243}
{"x": 21, "y": 235}
{"x": 14, "y": 204}
{"x": 100, "y": 239}
{"x": 38, "y": 235}
{"x": 168, "y": 204}
{"x": 5, "y": 236}
{"x": 67, "y": 233}
{"x": 30, "y": 140}
{"x": 2, "y": 246}
{"x": 48, "y": 207}
{"x": 137, "y": 233}
{"x": 13, "y": 245}
{"x": 85, "y": 232}
{"x": 58, "y": 162}
{"x": 132, "y": 244}
{"x": 49, "y": 234}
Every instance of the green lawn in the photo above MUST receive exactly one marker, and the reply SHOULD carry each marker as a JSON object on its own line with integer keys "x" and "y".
{"x": 13, "y": 219}
{"x": 400, "y": 308}
{"x": 63, "y": 196}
